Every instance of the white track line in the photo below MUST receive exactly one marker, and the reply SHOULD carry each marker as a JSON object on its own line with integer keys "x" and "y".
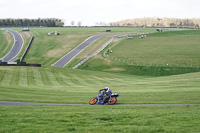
{"x": 14, "y": 44}
{"x": 71, "y": 50}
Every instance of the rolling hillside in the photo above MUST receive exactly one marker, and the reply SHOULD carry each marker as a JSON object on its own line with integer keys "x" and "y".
{"x": 46, "y": 50}
{"x": 159, "y": 54}
{"x": 136, "y": 69}
{"x": 52, "y": 83}
{"x": 6, "y": 41}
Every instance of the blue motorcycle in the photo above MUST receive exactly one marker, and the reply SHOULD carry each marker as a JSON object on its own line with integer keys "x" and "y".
{"x": 110, "y": 99}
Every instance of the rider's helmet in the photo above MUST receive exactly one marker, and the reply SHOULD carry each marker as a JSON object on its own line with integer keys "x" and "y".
{"x": 106, "y": 88}
{"x": 109, "y": 91}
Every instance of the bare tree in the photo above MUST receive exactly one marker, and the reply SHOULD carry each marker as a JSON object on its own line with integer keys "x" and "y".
{"x": 72, "y": 23}
{"x": 79, "y": 24}
{"x": 163, "y": 22}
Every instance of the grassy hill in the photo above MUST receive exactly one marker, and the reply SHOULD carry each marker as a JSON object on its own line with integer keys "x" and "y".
{"x": 57, "y": 85}
{"x": 46, "y": 50}
{"x": 172, "y": 48}
{"x": 126, "y": 71}
{"x": 159, "y": 54}
{"x": 6, "y": 42}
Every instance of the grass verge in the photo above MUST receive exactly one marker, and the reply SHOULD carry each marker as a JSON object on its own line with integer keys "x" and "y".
{"x": 6, "y": 41}
{"x": 86, "y": 119}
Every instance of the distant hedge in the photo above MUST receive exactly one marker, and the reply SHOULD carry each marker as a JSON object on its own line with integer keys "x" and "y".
{"x": 47, "y": 22}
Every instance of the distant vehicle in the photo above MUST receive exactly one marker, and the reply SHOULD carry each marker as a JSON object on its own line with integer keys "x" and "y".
{"x": 142, "y": 36}
{"x": 129, "y": 37}
{"x": 159, "y": 30}
{"x": 25, "y": 29}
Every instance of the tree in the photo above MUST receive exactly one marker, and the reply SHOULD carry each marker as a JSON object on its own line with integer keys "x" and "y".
{"x": 31, "y": 22}
{"x": 72, "y": 23}
{"x": 79, "y": 24}
{"x": 59, "y": 24}
{"x": 163, "y": 22}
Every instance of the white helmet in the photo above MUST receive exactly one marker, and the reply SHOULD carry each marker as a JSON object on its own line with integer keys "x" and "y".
{"x": 106, "y": 88}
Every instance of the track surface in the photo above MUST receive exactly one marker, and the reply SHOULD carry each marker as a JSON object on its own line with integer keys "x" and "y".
{"x": 25, "y": 103}
{"x": 18, "y": 43}
{"x": 68, "y": 57}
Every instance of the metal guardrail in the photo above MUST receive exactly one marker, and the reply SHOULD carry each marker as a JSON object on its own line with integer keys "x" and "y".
{"x": 129, "y": 34}
{"x": 19, "y": 64}
{"x": 25, "y": 52}
{"x": 99, "y": 50}
{"x": 95, "y": 53}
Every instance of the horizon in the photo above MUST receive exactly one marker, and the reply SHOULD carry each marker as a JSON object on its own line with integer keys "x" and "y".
{"x": 90, "y": 12}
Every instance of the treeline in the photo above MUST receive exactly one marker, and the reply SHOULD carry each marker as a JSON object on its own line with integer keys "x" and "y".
{"x": 47, "y": 22}
{"x": 158, "y": 22}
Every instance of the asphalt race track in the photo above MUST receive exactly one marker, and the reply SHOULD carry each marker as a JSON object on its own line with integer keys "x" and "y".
{"x": 68, "y": 57}
{"x": 26, "y": 103}
{"x": 18, "y": 43}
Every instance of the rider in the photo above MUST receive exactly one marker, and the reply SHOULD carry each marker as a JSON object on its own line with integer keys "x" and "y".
{"x": 106, "y": 92}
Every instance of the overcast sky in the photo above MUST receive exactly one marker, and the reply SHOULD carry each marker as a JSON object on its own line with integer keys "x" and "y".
{"x": 91, "y": 11}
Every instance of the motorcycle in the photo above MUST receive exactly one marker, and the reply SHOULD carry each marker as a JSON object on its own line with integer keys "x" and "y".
{"x": 110, "y": 100}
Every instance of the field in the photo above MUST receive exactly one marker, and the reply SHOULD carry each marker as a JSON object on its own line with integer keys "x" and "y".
{"x": 98, "y": 119}
{"x": 159, "y": 54}
{"x": 6, "y": 41}
{"x": 46, "y": 50}
{"x": 172, "y": 48}
{"x": 137, "y": 84}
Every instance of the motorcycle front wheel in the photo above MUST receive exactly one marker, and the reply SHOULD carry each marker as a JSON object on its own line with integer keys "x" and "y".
{"x": 112, "y": 100}
{"x": 93, "y": 101}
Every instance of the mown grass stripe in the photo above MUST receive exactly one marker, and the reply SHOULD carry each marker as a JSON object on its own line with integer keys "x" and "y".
{"x": 52, "y": 78}
{"x": 98, "y": 79}
{"x": 6, "y": 78}
{"x": 23, "y": 76}
{"x": 110, "y": 81}
{"x": 89, "y": 80}
{"x": 38, "y": 77}
{"x": 31, "y": 78}
{"x": 66, "y": 79}
{"x": 58, "y": 77}
{"x": 15, "y": 77}
{"x": 2, "y": 74}
{"x": 83, "y": 79}
{"x": 74, "y": 79}
{"x": 36, "y": 33}
{"x": 45, "y": 78}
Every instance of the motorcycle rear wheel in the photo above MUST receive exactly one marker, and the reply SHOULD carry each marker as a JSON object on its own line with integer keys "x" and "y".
{"x": 93, "y": 101}
{"x": 112, "y": 101}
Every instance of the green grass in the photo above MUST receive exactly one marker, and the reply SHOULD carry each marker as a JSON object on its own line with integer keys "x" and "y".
{"x": 57, "y": 85}
{"x": 98, "y": 119}
{"x": 159, "y": 54}
{"x": 46, "y": 50}
{"x": 5, "y": 45}
{"x": 177, "y": 47}
{"x": 65, "y": 85}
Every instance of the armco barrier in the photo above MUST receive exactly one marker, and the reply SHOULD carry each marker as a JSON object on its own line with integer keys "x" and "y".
{"x": 95, "y": 53}
{"x": 25, "y": 52}
{"x": 19, "y": 64}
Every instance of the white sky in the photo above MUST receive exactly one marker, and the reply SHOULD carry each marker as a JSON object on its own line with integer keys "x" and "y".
{"x": 91, "y": 11}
